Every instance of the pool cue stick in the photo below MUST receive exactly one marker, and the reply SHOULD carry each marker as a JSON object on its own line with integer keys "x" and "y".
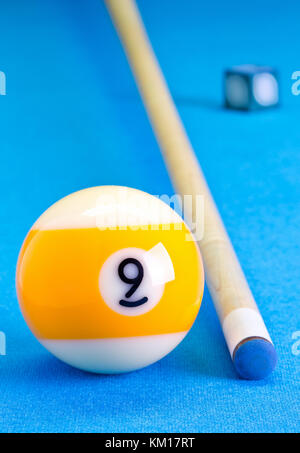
{"x": 248, "y": 340}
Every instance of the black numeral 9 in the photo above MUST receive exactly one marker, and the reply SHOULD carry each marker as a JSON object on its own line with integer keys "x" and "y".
{"x": 135, "y": 282}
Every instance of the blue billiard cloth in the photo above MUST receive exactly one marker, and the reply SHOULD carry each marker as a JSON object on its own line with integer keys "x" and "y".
{"x": 72, "y": 118}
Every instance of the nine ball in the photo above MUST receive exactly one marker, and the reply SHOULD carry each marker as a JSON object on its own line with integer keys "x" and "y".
{"x": 110, "y": 279}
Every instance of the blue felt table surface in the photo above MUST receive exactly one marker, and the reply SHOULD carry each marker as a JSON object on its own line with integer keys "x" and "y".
{"x": 72, "y": 118}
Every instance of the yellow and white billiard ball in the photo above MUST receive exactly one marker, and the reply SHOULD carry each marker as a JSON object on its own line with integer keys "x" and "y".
{"x": 110, "y": 279}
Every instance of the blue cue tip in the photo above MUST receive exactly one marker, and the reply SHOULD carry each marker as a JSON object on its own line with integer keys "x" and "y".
{"x": 255, "y": 359}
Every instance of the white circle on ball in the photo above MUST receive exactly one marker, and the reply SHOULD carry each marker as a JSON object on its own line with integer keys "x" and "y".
{"x": 237, "y": 92}
{"x": 128, "y": 270}
{"x": 265, "y": 89}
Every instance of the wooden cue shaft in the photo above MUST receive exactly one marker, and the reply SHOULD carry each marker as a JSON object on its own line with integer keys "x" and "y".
{"x": 225, "y": 278}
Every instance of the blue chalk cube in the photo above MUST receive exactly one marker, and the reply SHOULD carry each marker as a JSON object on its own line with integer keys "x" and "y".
{"x": 251, "y": 87}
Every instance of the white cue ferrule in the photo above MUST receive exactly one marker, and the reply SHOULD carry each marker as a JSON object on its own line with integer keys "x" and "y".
{"x": 241, "y": 324}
